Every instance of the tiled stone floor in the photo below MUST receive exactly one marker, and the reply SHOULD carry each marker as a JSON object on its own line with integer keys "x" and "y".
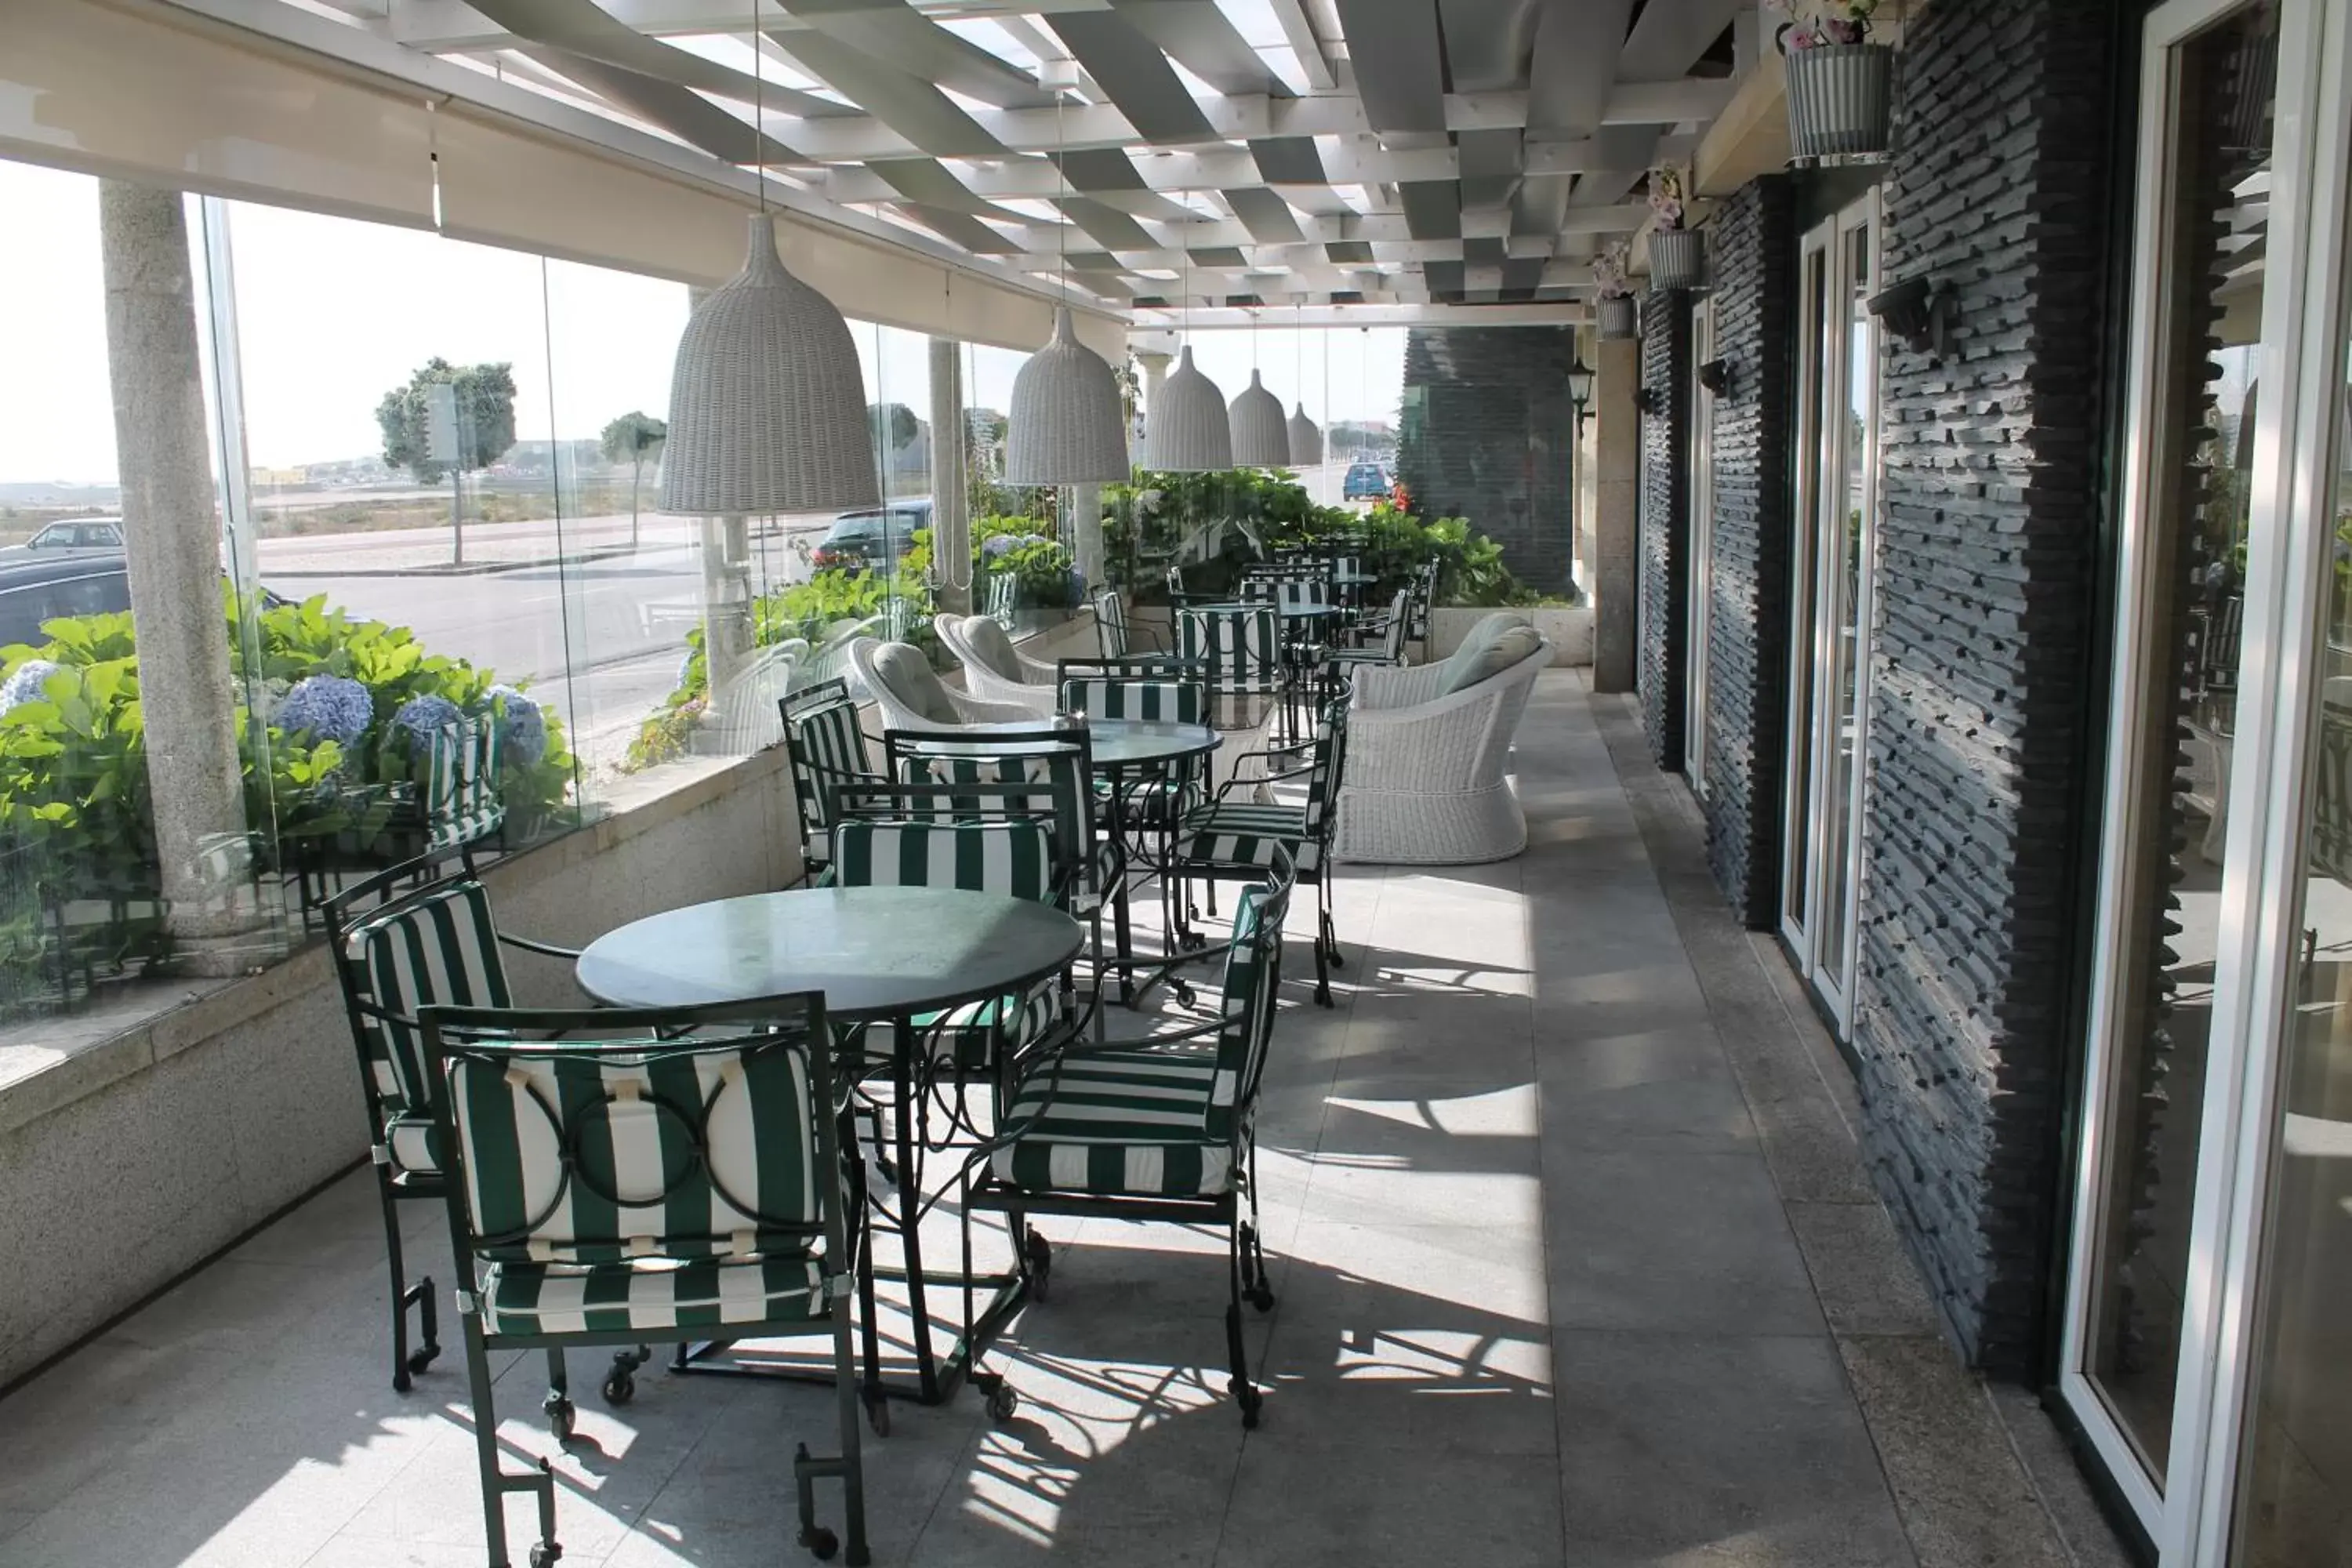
{"x": 1577, "y": 1266}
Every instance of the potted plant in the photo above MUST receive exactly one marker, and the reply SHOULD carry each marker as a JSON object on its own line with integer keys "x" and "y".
{"x": 1677, "y": 255}
{"x": 1840, "y": 85}
{"x": 1619, "y": 316}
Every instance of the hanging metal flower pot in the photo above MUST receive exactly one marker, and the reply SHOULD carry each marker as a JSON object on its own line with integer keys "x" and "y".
{"x": 1677, "y": 258}
{"x": 1840, "y": 100}
{"x": 1621, "y": 317}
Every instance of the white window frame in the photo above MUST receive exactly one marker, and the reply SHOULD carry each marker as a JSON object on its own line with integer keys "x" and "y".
{"x": 1817, "y": 562}
{"x": 1702, "y": 548}
{"x": 2287, "y": 579}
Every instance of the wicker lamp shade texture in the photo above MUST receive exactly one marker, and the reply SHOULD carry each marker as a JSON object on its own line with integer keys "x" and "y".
{"x": 1261, "y": 434}
{"x": 767, "y": 404}
{"x": 1190, "y": 430}
{"x": 1066, "y": 428}
{"x": 1306, "y": 439}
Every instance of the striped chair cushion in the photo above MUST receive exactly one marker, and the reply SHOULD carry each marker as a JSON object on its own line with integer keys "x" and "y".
{"x": 1013, "y": 857}
{"x": 414, "y": 1147}
{"x": 596, "y": 1158}
{"x": 1242, "y": 646}
{"x": 1240, "y": 834}
{"x": 461, "y": 790}
{"x": 1131, "y": 1121}
{"x": 828, "y": 749}
{"x": 536, "y": 1299}
{"x": 1110, "y": 623}
{"x": 435, "y": 947}
{"x": 975, "y": 1035}
{"x": 1150, "y": 701}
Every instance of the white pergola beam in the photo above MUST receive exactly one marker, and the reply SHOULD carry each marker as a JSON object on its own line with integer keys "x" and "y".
{"x": 1153, "y": 323}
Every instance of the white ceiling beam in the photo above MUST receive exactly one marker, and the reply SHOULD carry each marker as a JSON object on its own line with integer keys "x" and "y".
{"x": 1314, "y": 59}
{"x": 1037, "y": 179}
{"x": 443, "y": 25}
{"x": 1152, "y": 323}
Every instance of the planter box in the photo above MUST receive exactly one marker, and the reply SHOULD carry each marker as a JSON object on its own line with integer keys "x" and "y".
{"x": 1677, "y": 258}
{"x": 1568, "y": 629}
{"x": 1841, "y": 102}
{"x": 1620, "y": 317}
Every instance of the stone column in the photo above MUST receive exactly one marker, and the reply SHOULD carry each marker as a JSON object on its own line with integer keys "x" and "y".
{"x": 172, "y": 536}
{"x": 950, "y": 505}
{"x": 1155, "y": 376}
{"x": 1616, "y": 513}
{"x": 1082, "y": 504}
{"x": 726, "y": 630}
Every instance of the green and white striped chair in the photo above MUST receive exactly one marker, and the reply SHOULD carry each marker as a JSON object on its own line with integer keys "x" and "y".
{"x": 1160, "y": 1128}
{"x": 1114, "y": 628}
{"x": 828, "y": 751}
{"x": 1238, "y": 648}
{"x": 399, "y": 947}
{"x": 1387, "y": 650}
{"x": 1234, "y": 840}
{"x": 461, "y": 803}
{"x": 670, "y": 1176}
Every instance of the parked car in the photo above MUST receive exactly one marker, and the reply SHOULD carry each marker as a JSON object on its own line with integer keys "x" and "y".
{"x": 1365, "y": 481}
{"x": 871, "y": 536}
{"x": 33, "y": 589}
{"x": 79, "y": 533}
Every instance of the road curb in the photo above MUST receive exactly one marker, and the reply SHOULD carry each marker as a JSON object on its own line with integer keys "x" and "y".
{"x": 481, "y": 569}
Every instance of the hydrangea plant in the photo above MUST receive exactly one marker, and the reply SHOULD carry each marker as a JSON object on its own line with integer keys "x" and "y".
{"x": 24, "y": 683}
{"x": 425, "y": 716}
{"x": 327, "y": 707}
{"x": 523, "y": 727}
{"x": 1610, "y": 269}
{"x": 1669, "y": 190}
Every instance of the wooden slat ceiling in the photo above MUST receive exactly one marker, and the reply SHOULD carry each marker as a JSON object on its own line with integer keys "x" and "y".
{"x": 1300, "y": 151}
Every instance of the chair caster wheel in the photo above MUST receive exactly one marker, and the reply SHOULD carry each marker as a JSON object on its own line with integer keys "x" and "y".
{"x": 562, "y": 1416}
{"x": 1261, "y": 1299}
{"x": 546, "y": 1554}
{"x": 423, "y": 1358}
{"x": 821, "y": 1542}
{"x": 1003, "y": 1402}
{"x": 400, "y": 1382}
{"x": 620, "y": 1387}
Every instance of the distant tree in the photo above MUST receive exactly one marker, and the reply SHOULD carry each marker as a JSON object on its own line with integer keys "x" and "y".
{"x": 486, "y": 419}
{"x": 634, "y": 439}
{"x": 893, "y": 424}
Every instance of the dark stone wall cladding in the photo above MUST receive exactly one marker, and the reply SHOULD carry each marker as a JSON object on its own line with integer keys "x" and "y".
{"x": 1661, "y": 630}
{"x": 1751, "y": 256}
{"x": 1979, "y": 696}
{"x": 1488, "y": 433}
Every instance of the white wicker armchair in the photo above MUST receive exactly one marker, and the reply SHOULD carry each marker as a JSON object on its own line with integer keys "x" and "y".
{"x": 993, "y": 669}
{"x": 901, "y": 682}
{"x": 1425, "y": 783}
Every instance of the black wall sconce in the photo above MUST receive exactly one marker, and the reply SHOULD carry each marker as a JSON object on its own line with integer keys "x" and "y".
{"x": 1715, "y": 376}
{"x": 1579, "y": 392}
{"x": 1919, "y": 313}
{"x": 1651, "y": 401}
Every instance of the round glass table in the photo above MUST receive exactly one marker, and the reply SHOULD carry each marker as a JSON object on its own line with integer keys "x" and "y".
{"x": 875, "y": 952}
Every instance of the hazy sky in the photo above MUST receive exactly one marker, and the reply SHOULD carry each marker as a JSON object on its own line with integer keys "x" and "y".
{"x": 333, "y": 312}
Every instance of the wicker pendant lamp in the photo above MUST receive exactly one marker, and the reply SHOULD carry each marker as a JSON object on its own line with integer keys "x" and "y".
{"x": 1261, "y": 436}
{"x": 1066, "y": 428}
{"x": 1306, "y": 439}
{"x": 767, "y": 404}
{"x": 1191, "y": 431}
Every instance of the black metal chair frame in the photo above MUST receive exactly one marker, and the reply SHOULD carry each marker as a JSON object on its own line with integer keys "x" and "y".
{"x": 447, "y": 1031}
{"x": 808, "y": 773}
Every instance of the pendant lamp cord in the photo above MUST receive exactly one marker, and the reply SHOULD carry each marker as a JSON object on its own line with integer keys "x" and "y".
{"x": 1062, "y": 184}
{"x": 758, "y": 111}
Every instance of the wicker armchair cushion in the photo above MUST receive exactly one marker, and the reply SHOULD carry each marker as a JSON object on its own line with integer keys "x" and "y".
{"x": 989, "y": 644}
{"x": 909, "y": 675}
{"x": 1473, "y": 648}
{"x": 1504, "y": 648}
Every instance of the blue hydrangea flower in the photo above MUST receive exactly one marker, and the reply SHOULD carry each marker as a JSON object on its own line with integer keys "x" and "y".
{"x": 522, "y": 725}
{"x": 24, "y": 683}
{"x": 331, "y": 707}
{"x": 424, "y": 717}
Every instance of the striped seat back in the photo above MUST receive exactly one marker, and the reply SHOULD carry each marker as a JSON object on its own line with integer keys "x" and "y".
{"x": 596, "y": 1150}
{"x": 1347, "y": 565}
{"x": 1014, "y": 857}
{"x": 1110, "y": 623}
{"x": 1324, "y": 771}
{"x": 435, "y": 947}
{"x": 1392, "y": 640}
{"x": 462, "y": 802}
{"x": 1239, "y": 646}
{"x": 1153, "y": 701}
{"x": 1058, "y": 762}
{"x": 1003, "y": 591}
{"x": 828, "y": 750}
{"x": 1253, "y": 982}
{"x": 1298, "y": 593}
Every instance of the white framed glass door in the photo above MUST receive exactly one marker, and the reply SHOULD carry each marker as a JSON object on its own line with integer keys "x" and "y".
{"x": 1701, "y": 579}
{"x": 1836, "y": 542}
{"x": 2203, "y": 1353}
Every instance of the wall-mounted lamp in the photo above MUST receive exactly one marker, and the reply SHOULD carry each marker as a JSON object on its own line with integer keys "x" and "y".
{"x": 1919, "y": 313}
{"x": 1579, "y": 392}
{"x": 1715, "y": 376}
{"x": 1651, "y": 401}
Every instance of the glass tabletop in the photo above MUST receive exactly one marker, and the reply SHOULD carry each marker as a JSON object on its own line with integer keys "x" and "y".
{"x": 875, "y": 952}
